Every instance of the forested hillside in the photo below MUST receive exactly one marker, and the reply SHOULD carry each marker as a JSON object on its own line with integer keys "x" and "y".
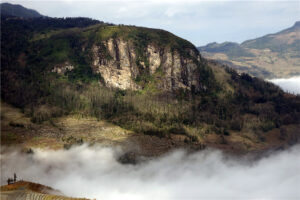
{"x": 147, "y": 81}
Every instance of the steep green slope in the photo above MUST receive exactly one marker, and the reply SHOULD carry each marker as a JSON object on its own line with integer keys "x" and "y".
{"x": 271, "y": 56}
{"x": 147, "y": 81}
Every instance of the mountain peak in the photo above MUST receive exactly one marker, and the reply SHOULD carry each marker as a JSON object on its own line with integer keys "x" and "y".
{"x": 296, "y": 25}
{"x": 16, "y": 10}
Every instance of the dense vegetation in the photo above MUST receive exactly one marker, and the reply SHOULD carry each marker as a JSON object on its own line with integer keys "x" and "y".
{"x": 29, "y": 48}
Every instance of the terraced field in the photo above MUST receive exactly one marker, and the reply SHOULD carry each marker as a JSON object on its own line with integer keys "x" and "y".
{"x": 21, "y": 195}
{"x": 23, "y": 190}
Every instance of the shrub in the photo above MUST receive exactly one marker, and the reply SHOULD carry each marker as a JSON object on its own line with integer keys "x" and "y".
{"x": 45, "y": 112}
{"x": 16, "y": 124}
{"x": 177, "y": 129}
{"x": 267, "y": 126}
{"x": 226, "y": 132}
{"x": 236, "y": 124}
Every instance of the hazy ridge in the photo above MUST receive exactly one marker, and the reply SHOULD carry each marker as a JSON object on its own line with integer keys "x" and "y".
{"x": 271, "y": 56}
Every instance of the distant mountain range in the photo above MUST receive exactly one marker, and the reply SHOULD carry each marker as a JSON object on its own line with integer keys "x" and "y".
{"x": 271, "y": 56}
{"x": 12, "y": 10}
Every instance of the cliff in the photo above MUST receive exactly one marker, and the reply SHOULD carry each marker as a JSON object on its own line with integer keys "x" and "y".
{"x": 128, "y": 57}
{"x": 123, "y": 68}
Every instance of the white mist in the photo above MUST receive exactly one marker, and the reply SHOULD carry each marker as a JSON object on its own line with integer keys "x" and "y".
{"x": 93, "y": 172}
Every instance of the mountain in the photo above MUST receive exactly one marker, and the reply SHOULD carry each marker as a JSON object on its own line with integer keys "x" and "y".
{"x": 14, "y": 10}
{"x": 231, "y": 49}
{"x": 288, "y": 39}
{"x": 271, "y": 56}
{"x": 66, "y": 81}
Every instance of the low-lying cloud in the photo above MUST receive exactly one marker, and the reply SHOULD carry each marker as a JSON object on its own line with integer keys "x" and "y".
{"x": 291, "y": 85}
{"x": 94, "y": 172}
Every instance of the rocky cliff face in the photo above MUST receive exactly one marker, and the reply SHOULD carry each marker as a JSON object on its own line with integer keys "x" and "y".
{"x": 120, "y": 65}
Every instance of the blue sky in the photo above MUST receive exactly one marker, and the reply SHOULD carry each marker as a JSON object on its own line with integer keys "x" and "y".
{"x": 198, "y": 21}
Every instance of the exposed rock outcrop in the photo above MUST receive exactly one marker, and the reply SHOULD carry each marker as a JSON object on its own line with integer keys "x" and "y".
{"x": 114, "y": 60}
{"x": 120, "y": 64}
{"x": 63, "y": 68}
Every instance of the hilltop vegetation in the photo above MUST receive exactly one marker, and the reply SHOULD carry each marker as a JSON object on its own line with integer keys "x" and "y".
{"x": 220, "y": 102}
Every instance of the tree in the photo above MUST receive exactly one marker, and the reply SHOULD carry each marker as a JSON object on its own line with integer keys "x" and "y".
{"x": 15, "y": 177}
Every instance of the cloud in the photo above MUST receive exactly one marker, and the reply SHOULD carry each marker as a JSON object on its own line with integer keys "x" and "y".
{"x": 288, "y": 84}
{"x": 95, "y": 173}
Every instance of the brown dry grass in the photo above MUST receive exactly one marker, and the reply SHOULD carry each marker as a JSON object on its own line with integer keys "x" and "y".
{"x": 32, "y": 190}
{"x": 74, "y": 129}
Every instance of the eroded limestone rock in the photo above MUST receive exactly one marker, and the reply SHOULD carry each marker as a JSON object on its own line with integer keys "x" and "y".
{"x": 117, "y": 62}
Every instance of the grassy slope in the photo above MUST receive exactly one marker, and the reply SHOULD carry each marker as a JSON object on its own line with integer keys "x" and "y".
{"x": 66, "y": 131}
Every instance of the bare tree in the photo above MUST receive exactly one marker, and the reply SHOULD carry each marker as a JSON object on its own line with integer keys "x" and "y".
{"x": 15, "y": 177}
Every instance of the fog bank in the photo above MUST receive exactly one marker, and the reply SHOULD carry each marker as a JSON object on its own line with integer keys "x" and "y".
{"x": 291, "y": 85}
{"x": 94, "y": 172}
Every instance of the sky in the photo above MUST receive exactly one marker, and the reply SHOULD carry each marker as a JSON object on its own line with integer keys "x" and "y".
{"x": 290, "y": 85}
{"x": 198, "y": 21}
